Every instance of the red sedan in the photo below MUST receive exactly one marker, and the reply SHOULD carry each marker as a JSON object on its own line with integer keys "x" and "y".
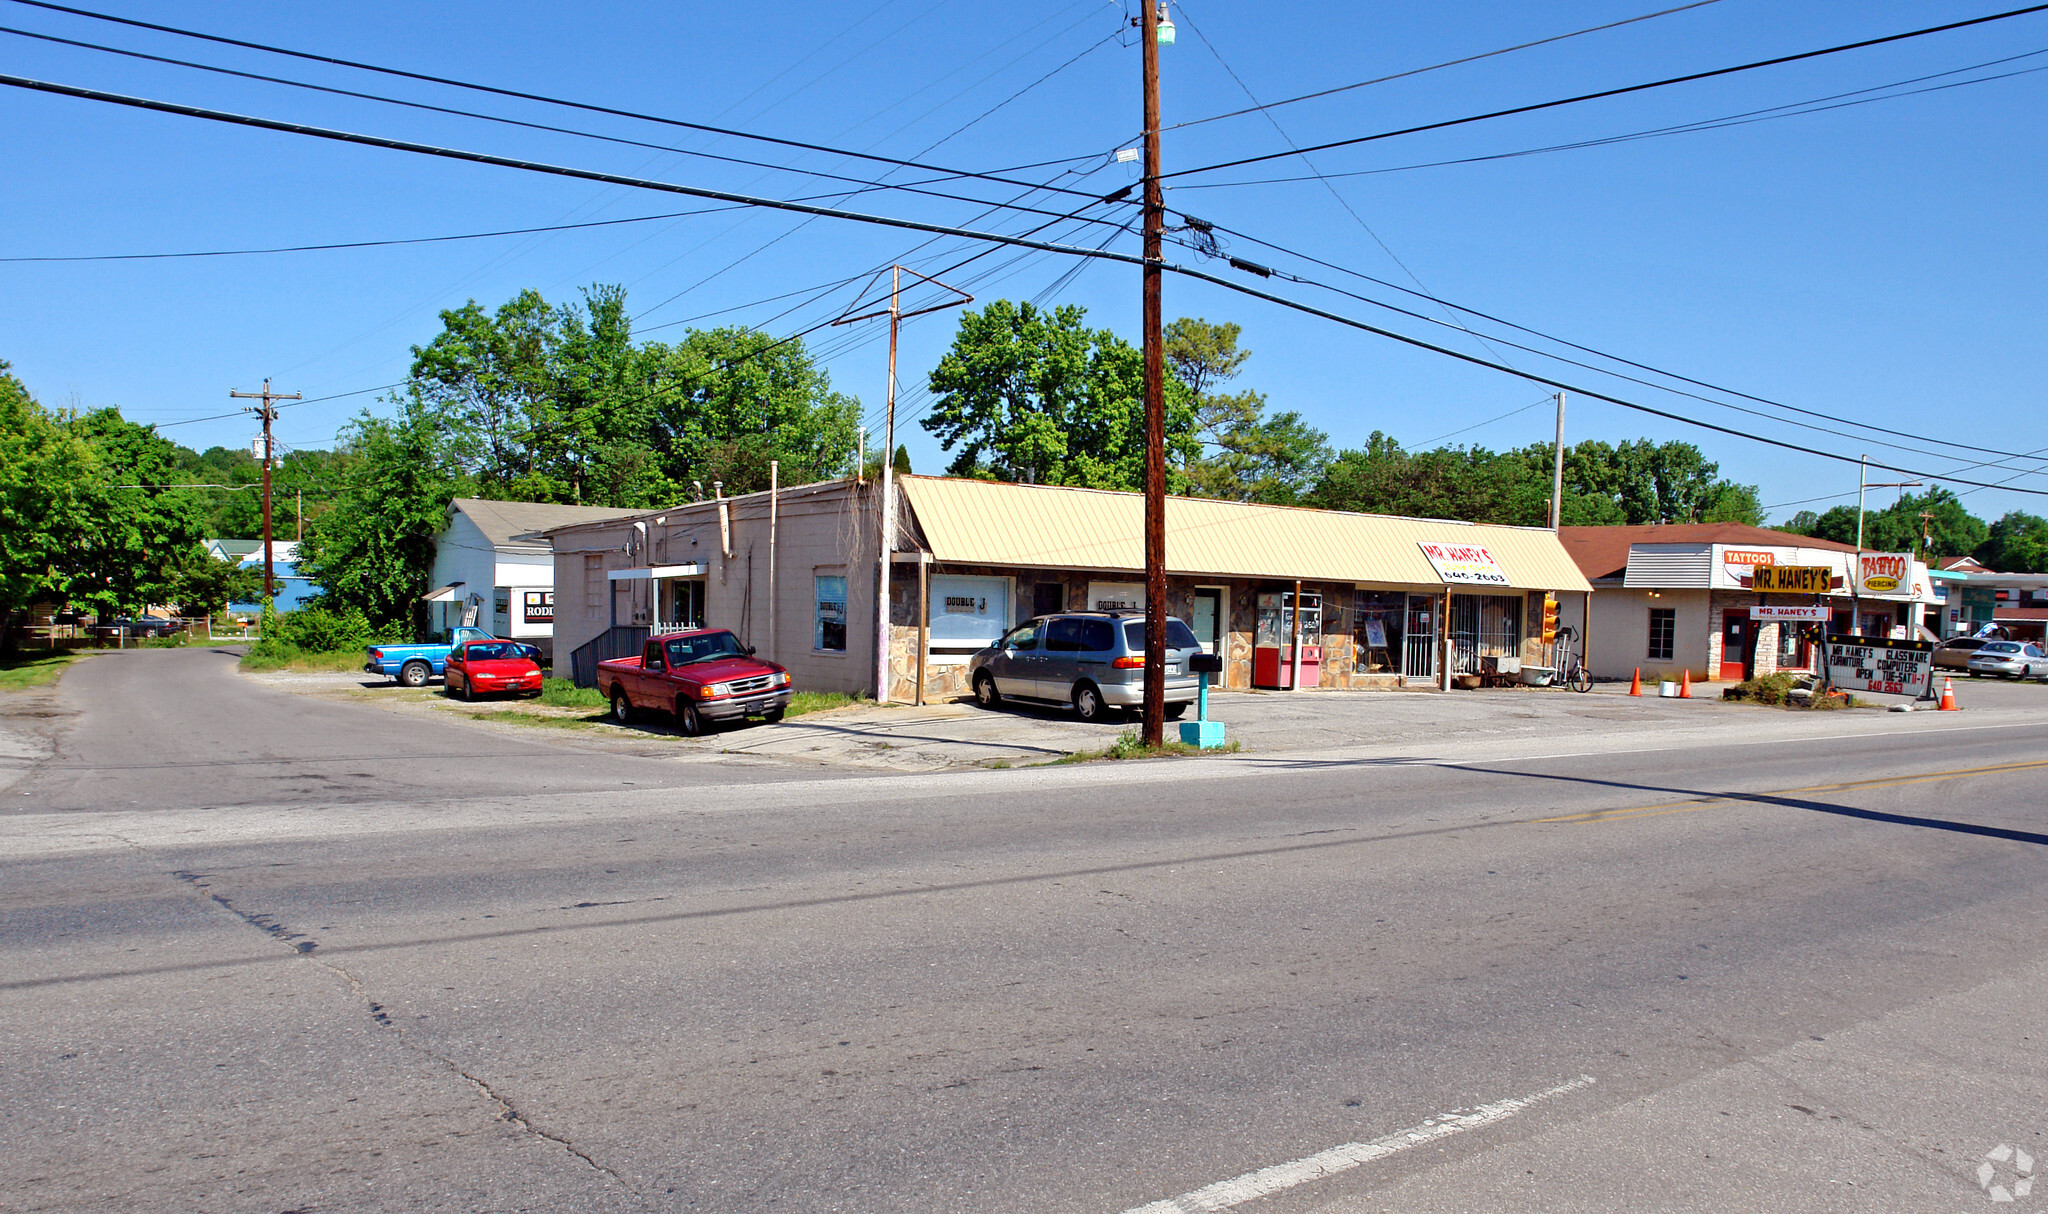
{"x": 488, "y": 667}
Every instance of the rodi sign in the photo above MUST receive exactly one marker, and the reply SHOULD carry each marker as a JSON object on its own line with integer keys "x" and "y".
{"x": 1882, "y": 572}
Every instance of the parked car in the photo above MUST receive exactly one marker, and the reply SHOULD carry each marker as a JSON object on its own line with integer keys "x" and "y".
{"x": 413, "y": 665}
{"x": 1954, "y": 653}
{"x": 702, "y": 676}
{"x": 477, "y": 668}
{"x": 2010, "y": 659}
{"x": 145, "y": 626}
{"x": 1094, "y": 660}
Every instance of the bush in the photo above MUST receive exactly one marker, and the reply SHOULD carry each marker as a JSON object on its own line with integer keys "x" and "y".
{"x": 309, "y": 630}
{"x": 1764, "y": 689}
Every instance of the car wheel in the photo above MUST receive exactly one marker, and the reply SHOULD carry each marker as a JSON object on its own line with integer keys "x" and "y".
{"x": 1175, "y": 712}
{"x": 622, "y": 708}
{"x": 689, "y": 721}
{"x": 985, "y": 693}
{"x": 455, "y": 690}
{"x": 773, "y": 715}
{"x": 414, "y": 674}
{"x": 1088, "y": 703}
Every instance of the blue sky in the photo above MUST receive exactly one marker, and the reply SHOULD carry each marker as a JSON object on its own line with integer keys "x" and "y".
{"x": 1878, "y": 262}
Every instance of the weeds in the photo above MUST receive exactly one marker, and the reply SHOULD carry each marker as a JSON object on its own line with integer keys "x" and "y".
{"x": 803, "y": 703}
{"x": 563, "y": 693}
{"x": 1128, "y": 745}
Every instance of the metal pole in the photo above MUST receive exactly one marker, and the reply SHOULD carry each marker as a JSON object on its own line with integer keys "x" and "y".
{"x": 1856, "y": 570}
{"x": 1294, "y": 640}
{"x": 774, "y": 512}
{"x": 1155, "y": 394}
{"x": 888, "y": 527}
{"x": 1557, "y": 471}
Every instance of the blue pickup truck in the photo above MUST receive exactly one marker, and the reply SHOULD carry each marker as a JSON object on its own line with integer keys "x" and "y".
{"x": 413, "y": 665}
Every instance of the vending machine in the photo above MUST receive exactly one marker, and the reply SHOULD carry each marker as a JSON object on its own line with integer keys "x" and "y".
{"x": 1277, "y": 639}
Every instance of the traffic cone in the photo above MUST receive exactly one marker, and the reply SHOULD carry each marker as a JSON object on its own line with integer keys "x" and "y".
{"x": 1635, "y": 685}
{"x": 1948, "y": 696}
{"x": 1685, "y": 684}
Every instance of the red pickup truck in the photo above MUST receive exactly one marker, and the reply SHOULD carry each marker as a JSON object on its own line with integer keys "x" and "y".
{"x": 702, "y": 677}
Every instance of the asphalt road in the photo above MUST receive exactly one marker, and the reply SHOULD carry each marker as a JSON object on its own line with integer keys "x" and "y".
{"x": 1803, "y": 973}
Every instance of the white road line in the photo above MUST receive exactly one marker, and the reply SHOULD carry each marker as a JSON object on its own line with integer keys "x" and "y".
{"x": 1267, "y": 1181}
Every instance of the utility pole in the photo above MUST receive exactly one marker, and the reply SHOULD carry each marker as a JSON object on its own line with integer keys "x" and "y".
{"x": 1557, "y": 471}
{"x": 268, "y": 412}
{"x": 1155, "y": 394}
{"x": 896, "y": 316}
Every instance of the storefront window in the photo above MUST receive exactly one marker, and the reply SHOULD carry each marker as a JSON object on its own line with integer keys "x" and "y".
{"x": 1663, "y": 633}
{"x": 1380, "y": 617}
{"x": 831, "y": 631}
{"x": 967, "y": 613}
{"x": 1791, "y": 647}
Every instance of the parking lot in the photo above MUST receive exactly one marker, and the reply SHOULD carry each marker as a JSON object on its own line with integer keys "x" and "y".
{"x": 1421, "y": 725}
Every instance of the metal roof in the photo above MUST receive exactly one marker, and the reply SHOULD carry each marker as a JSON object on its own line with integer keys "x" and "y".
{"x": 503, "y": 523}
{"x": 1054, "y": 527}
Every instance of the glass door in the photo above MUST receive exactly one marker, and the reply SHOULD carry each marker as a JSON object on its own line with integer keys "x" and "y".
{"x": 1208, "y": 621}
{"x": 1418, "y": 648}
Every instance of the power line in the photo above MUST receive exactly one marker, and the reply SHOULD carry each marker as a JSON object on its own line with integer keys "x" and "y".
{"x": 516, "y": 93}
{"x": 1794, "y": 109}
{"x": 1922, "y": 438}
{"x": 1603, "y": 93}
{"x": 1427, "y": 443}
{"x": 945, "y": 230}
{"x": 1255, "y": 107}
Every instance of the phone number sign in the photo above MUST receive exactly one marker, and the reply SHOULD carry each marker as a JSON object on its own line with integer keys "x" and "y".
{"x": 1900, "y": 668}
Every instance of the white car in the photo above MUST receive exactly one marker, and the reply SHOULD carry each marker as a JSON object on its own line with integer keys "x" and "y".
{"x": 2010, "y": 659}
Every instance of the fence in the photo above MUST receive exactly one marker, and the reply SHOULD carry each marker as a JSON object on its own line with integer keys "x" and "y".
{"x": 618, "y": 641}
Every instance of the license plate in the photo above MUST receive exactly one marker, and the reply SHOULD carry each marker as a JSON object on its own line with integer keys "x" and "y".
{"x": 1173, "y": 668}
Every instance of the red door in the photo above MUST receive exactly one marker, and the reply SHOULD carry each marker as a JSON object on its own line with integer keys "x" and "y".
{"x": 1734, "y": 646}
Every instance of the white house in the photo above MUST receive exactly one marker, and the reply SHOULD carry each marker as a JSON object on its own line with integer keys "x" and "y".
{"x": 488, "y": 573}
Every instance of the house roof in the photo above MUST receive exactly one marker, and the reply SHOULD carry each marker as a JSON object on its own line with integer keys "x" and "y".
{"x": 1603, "y": 551}
{"x": 235, "y": 549}
{"x": 504, "y": 522}
{"x": 1055, "y": 527}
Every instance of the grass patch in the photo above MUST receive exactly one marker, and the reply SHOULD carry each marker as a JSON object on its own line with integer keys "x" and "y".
{"x": 1129, "y": 746}
{"x": 25, "y": 670}
{"x": 285, "y": 657}
{"x": 563, "y": 693}
{"x": 515, "y": 717}
{"x": 804, "y": 702}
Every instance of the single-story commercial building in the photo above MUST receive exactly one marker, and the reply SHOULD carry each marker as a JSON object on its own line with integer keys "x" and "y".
{"x": 1375, "y": 601}
{"x": 289, "y": 590}
{"x": 492, "y": 572}
{"x": 1690, "y": 597}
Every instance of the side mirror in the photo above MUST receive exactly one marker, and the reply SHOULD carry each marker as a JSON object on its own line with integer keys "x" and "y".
{"x": 1206, "y": 663}
{"x": 750, "y": 651}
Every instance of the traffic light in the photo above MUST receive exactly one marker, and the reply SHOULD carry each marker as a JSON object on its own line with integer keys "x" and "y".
{"x": 1549, "y": 618}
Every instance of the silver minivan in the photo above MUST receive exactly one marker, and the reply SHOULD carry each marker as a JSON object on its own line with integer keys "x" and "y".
{"x": 1094, "y": 660}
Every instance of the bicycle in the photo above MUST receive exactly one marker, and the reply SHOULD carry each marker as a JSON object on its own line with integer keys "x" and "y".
{"x": 1570, "y": 668}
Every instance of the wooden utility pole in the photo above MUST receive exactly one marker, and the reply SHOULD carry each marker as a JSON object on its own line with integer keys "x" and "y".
{"x": 896, "y": 316}
{"x": 1155, "y": 395}
{"x": 1557, "y": 471}
{"x": 268, "y": 412}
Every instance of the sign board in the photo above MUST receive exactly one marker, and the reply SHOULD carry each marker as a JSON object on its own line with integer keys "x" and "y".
{"x": 1741, "y": 562}
{"x": 1793, "y": 579}
{"x": 1883, "y": 572}
{"x": 1900, "y": 668}
{"x": 1465, "y": 564}
{"x": 538, "y": 607}
{"x": 1375, "y": 632}
{"x": 1775, "y": 612}
{"x": 1116, "y": 596}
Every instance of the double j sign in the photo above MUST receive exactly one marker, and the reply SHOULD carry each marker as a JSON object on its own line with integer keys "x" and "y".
{"x": 1882, "y": 572}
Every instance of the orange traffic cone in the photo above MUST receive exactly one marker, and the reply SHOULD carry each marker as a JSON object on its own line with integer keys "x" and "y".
{"x": 1685, "y": 685}
{"x": 1948, "y": 695}
{"x": 1635, "y": 685}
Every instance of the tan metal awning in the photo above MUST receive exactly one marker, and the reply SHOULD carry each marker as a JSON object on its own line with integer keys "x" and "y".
{"x": 1053, "y": 527}
{"x": 446, "y": 594}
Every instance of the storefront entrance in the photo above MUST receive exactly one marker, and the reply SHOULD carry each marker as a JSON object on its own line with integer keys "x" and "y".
{"x": 1418, "y": 648}
{"x": 1735, "y": 626}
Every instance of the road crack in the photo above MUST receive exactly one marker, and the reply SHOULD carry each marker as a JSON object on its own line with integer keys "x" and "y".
{"x": 508, "y": 1112}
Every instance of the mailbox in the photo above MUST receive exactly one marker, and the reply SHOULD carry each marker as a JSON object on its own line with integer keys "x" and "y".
{"x": 1206, "y": 663}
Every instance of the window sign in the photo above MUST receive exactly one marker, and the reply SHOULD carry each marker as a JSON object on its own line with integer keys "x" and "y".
{"x": 1465, "y": 564}
{"x": 831, "y": 629}
{"x": 967, "y": 613}
{"x": 1116, "y": 596}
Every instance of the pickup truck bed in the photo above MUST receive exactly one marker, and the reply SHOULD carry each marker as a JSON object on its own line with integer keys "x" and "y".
{"x": 413, "y": 665}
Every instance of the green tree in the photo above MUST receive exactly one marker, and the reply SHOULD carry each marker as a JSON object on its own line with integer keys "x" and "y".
{"x": 730, "y": 400}
{"x": 143, "y": 528}
{"x": 1930, "y": 524}
{"x": 45, "y": 500}
{"x": 203, "y": 584}
{"x": 374, "y": 550}
{"x": 901, "y": 461}
{"x": 2016, "y": 543}
{"x": 1031, "y": 395}
{"x": 1243, "y": 454}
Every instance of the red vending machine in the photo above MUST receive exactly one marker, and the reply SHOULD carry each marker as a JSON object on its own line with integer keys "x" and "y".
{"x": 1284, "y": 627}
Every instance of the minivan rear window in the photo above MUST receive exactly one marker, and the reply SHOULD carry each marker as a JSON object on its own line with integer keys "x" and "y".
{"x": 1069, "y": 635}
{"x": 1178, "y": 634}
